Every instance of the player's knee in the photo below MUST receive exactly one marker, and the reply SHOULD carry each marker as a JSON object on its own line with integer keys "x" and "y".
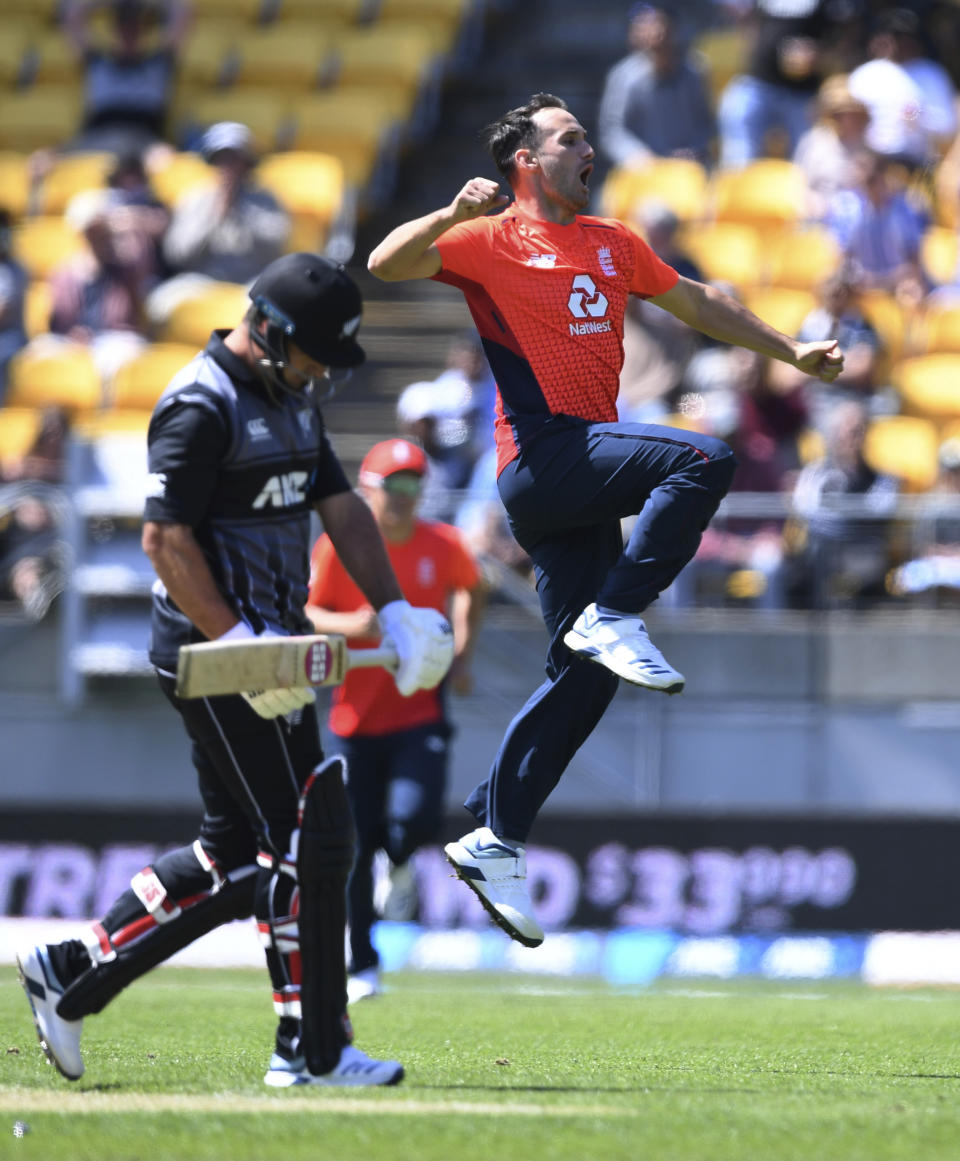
{"x": 326, "y": 841}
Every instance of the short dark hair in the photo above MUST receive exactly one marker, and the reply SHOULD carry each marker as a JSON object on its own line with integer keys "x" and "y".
{"x": 516, "y": 130}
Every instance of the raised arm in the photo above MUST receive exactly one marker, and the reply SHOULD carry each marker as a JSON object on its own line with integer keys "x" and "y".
{"x": 713, "y": 313}
{"x": 409, "y": 251}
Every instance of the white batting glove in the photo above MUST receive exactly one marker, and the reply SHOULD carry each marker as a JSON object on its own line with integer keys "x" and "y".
{"x": 277, "y": 703}
{"x": 269, "y": 703}
{"x": 423, "y": 640}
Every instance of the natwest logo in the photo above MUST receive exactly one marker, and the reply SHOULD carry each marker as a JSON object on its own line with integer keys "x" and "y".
{"x": 585, "y": 300}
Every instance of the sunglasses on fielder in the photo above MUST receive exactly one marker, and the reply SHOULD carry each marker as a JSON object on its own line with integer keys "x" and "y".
{"x": 401, "y": 485}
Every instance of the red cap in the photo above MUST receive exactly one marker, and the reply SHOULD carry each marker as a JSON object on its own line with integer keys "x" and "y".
{"x": 392, "y": 455}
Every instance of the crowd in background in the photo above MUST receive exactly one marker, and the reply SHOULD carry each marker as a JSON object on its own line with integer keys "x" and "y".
{"x": 861, "y": 98}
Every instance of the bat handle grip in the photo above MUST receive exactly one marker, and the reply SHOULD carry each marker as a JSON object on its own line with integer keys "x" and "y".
{"x": 384, "y": 655}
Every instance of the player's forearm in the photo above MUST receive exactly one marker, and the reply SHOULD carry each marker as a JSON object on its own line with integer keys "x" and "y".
{"x": 180, "y": 564}
{"x": 721, "y": 317}
{"x": 404, "y": 253}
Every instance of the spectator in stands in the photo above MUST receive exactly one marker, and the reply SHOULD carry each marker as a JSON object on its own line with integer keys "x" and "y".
{"x": 911, "y": 98}
{"x": 846, "y": 554}
{"x": 655, "y": 101}
{"x": 776, "y": 93}
{"x": 482, "y": 520}
{"x": 128, "y": 83}
{"x": 13, "y": 288}
{"x": 97, "y": 297}
{"x": 136, "y": 209}
{"x": 226, "y": 232}
{"x": 827, "y": 152}
{"x": 451, "y": 417}
{"x": 880, "y": 231}
{"x": 838, "y": 312}
{"x": 32, "y": 550}
{"x": 936, "y": 570}
{"x": 656, "y": 346}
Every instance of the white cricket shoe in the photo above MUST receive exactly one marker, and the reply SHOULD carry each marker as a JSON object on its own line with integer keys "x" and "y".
{"x": 363, "y": 984}
{"x": 59, "y": 1038}
{"x": 354, "y": 1068}
{"x": 497, "y": 874}
{"x": 622, "y": 644}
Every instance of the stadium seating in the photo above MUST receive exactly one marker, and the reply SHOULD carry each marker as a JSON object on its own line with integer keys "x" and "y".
{"x": 800, "y": 258}
{"x": 221, "y": 304}
{"x": 767, "y": 194}
{"x": 941, "y": 329}
{"x": 359, "y": 126}
{"x": 396, "y": 60}
{"x": 312, "y": 188}
{"x": 293, "y": 55}
{"x": 37, "y": 303}
{"x": 333, "y": 12}
{"x": 939, "y": 254}
{"x": 42, "y": 116}
{"x": 783, "y": 307}
{"x": 72, "y": 174}
{"x": 14, "y": 183}
{"x": 887, "y": 318}
{"x": 927, "y": 385}
{"x": 723, "y": 53}
{"x": 65, "y": 377}
{"x": 139, "y": 383}
{"x": 41, "y": 244}
{"x": 904, "y": 446}
{"x": 726, "y": 252}
{"x": 266, "y": 114}
{"x": 208, "y": 57}
{"x": 19, "y": 427}
{"x": 680, "y": 183}
{"x": 179, "y": 174}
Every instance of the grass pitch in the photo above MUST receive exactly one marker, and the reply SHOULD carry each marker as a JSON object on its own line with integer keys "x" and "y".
{"x": 502, "y": 1066}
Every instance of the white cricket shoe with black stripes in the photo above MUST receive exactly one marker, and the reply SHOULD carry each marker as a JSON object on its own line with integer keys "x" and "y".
{"x": 496, "y": 872}
{"x": 59, "y": 1038}
{"x": 622, "y": 644}
{"x": 354, "y": 1068}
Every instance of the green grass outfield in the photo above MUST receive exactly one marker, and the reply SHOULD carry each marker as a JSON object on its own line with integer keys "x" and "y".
{"x": 503, "y": 1066}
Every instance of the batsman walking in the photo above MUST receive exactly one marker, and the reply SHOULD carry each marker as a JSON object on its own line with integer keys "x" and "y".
{"x": 547, "y": 287}
{"x": 239, "y": 457}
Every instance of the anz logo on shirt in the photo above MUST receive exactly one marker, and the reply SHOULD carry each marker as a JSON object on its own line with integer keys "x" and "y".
{"x": 586, "y": 302}
{"x": 283, "y": 491}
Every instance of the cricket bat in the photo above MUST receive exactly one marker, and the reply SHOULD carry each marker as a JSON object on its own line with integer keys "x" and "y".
{"x": 219, "y": 667}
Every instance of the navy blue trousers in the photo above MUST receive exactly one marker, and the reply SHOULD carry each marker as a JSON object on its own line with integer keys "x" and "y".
{"x": 396, "y": 784}
{"x": 565, "y": 496}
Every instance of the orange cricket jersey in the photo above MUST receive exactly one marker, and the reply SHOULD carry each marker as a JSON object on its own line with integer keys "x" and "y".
{"x": 549, "y": 301}
{"x": 430, "y": 566}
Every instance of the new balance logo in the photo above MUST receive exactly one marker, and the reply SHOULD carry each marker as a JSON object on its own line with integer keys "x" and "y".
{"x": 283, "y": 491}
{"x": 543, "y": 261}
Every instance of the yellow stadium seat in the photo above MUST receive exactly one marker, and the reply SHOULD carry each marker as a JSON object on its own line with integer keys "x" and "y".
{"x": 726, "y": 252}
{"x": 222, "y": 304}
{"x": 305, "y": 182}
{"x": 65, "y": 376}
{"x": 41, "y": 244}
{"x": 723, "y": 53}
{"x": 38, "y": 117}
{"x": 939, "y": 254}
{"x": 782, "y": 307}
{"x": 180, "y": 173}
{"x": 72, "y": 174}
{"x": 14, "y": 54}
{"x": 245, "y": 10}
{"x": 678, "y": 182}
{"x": 208, "y": 56}
{"x": 293, "y": 55}
{"x": 392, "y": 58}
{"x": 130, "y": 421}
{"x": 55, "y": 61}
{"x": 941, "y": 329}
{"x": 904, "y": 446}
{"x": 928, "y": 385}
{"x": 767, "y": 194}
{"x": 800, "y": 259}
{"x": 37, "y": 303}
{"x": 332, "y": 13}
{"x": 352, "y": 124}
{"x": 266, "y": 114}
{"x": 19, "y": 427}
{"x": 139, "y": 383}
{"x": 14, "y": 183}
{"x": 886, "y": 316}
{"x": 810, "y": 446}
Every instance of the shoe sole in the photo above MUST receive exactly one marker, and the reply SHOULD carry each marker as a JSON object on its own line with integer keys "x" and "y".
{"x": 25, "y": 984}
{"x": 503, "y": 923}
{"x": 588, "y": 652}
